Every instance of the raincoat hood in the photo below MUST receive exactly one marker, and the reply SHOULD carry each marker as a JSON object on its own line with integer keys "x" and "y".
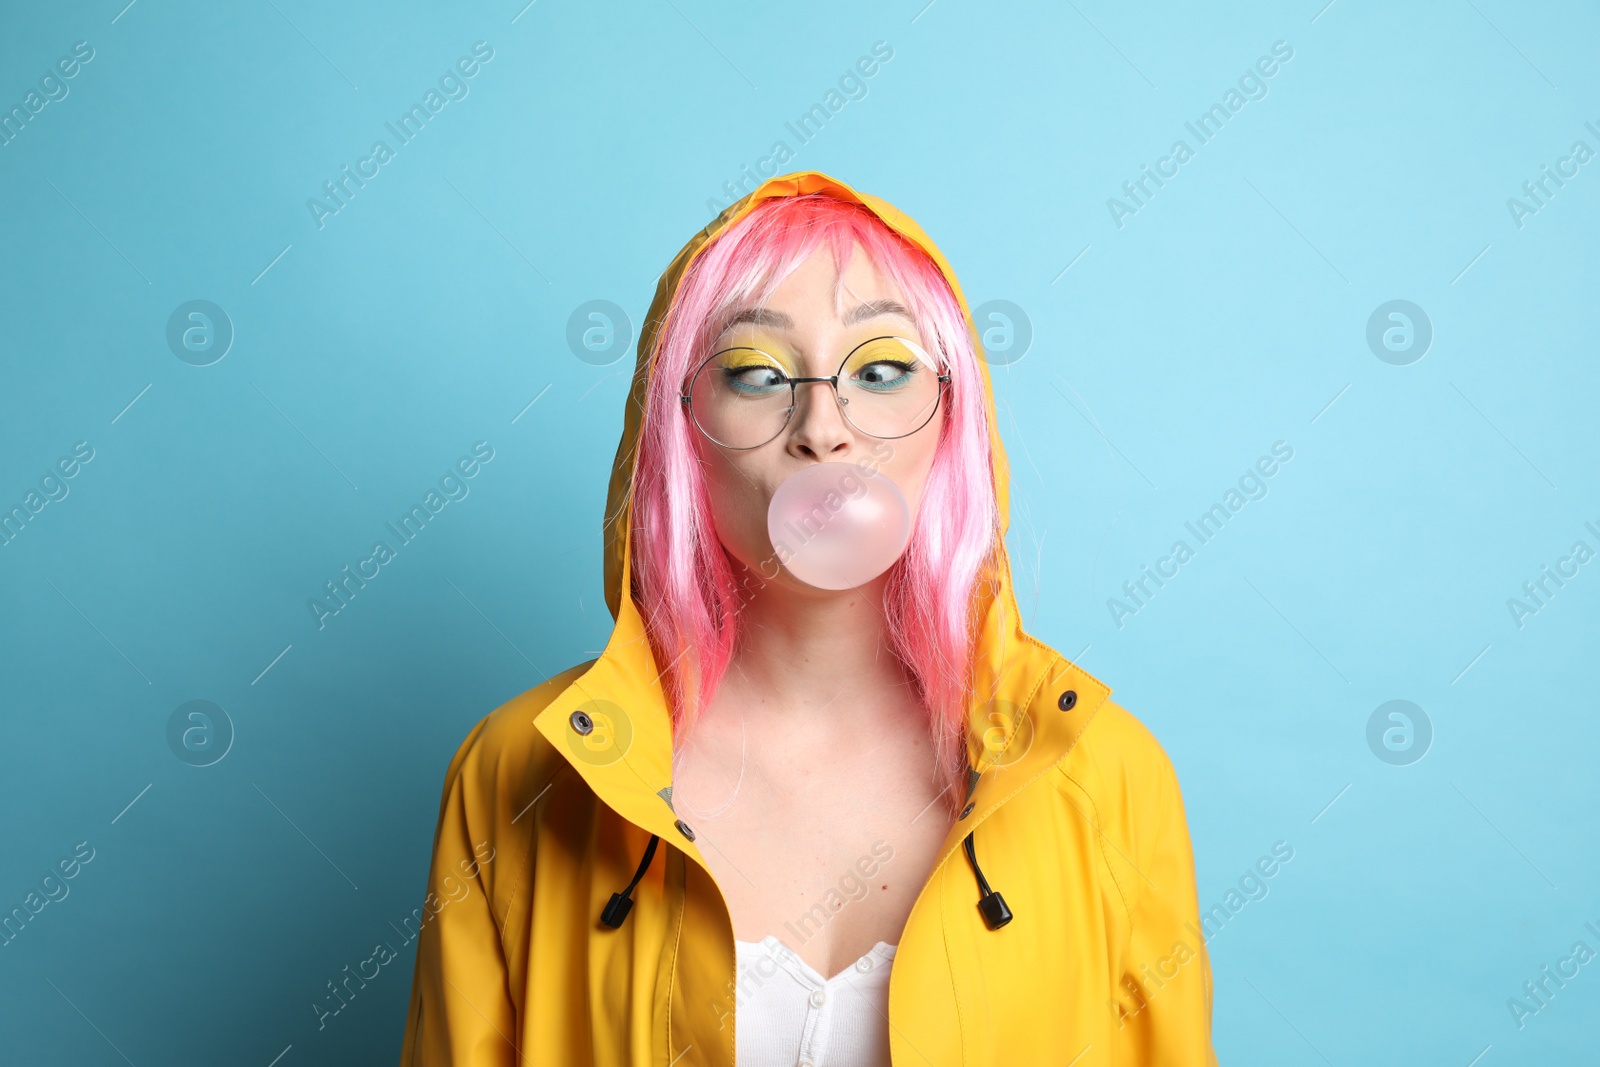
{"x": 616, "y": 526}
{"x": 1003, "y": 649}
{"x": 575, "y": 943}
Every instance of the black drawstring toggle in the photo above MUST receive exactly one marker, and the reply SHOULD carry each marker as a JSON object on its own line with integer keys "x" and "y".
{"x": 991, "y": 903}
{"x": 620, "y": 904}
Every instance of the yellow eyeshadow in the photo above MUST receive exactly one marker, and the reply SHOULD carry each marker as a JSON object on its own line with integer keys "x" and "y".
{"x": 746, "y": 355}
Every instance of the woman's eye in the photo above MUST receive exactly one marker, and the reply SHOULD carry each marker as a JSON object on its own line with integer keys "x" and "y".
{"x": 753, "y": 378}
{"x": 884, "y": 372}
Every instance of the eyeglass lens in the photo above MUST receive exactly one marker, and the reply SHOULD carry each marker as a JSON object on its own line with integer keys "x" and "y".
{"x": 743, "y": 397}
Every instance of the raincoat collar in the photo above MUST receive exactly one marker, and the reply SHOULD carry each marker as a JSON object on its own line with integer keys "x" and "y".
{"x": 1030, "y": 704}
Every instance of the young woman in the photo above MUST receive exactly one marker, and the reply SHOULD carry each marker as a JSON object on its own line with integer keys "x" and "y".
{"x": 776, "y": 823}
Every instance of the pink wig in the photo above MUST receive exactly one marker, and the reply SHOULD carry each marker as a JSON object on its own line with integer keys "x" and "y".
{"x": 687, "y": 586}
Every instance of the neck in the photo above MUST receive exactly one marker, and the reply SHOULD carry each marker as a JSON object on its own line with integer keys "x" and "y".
{"x": 815, "y": 656}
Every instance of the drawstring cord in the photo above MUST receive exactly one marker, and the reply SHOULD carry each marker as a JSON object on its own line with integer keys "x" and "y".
{"x": 617, "y": 910}
{"x": 990, "y": 903}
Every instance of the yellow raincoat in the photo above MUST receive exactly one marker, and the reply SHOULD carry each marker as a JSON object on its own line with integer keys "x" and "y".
{"x": 547, "y": 814}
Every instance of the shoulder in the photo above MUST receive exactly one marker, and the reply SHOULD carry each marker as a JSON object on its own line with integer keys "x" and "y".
{"x": 1123, "y": 770}
{"x": 1124, "y": 747}
{"x": 1124, "y": 781}
{"x": 504, "y": 751}
{"x": 502, "y": 766}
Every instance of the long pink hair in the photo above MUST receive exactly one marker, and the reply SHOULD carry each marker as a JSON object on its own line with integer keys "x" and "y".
{"x": 685, "y": 583}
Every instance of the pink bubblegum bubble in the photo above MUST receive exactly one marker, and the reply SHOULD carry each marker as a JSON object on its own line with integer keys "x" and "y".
{"x": 838, "y": 525}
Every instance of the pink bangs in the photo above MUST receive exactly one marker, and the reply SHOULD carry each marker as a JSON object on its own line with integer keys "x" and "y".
{"x": 686, "y": 585}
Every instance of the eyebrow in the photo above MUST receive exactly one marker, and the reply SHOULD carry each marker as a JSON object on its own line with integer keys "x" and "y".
{"x": 871, "y": 309}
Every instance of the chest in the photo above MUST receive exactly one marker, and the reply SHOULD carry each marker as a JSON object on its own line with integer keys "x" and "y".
{"x": 826, "y": 853}
{"x": 1034, "y": 992}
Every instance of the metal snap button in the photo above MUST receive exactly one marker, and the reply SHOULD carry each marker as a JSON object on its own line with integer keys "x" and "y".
{"x": 683, "y": 828}
{"x": 1068, "y": 699}
{"x": 967, "y": 810}
{"x": 581, "y": 722}
{"x": 818, "y": 999}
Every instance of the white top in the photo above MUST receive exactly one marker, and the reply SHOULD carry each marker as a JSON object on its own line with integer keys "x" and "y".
{"x": 788, "y": 1015}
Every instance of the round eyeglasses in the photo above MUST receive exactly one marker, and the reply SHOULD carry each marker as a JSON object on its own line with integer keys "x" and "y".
{"x": 743, "y": 397}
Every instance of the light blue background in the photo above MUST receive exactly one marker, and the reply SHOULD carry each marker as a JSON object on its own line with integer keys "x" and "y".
{"x": 1229, "y": 313}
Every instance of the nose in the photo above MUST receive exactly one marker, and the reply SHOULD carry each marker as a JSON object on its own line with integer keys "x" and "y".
{"x": 817, "y": 429}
